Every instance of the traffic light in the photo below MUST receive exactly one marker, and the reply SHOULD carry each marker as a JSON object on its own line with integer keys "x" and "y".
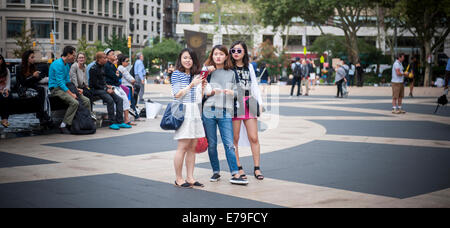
{"x": 52, "y": 39}
{"x": 34, "y": 44}
{"x": 129, "y": 41}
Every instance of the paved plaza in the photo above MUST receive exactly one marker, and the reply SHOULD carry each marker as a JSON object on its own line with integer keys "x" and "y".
{"x": 317, "y": 151}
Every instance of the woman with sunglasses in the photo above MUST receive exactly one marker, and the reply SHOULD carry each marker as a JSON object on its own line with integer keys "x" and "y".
{"x": 127, "y": 81}
{"x": 248, "y": 107}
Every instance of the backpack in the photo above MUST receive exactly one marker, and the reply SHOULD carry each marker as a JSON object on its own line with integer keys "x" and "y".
{"x": 132, "y": 71}
{"x": 297, "y": 71}
{"x": 82, "y": 123}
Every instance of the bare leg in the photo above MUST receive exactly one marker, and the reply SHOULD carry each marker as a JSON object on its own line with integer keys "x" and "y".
{"x": 236, "y": 132}
{"x": 183, "y": 145}
{"x": 190, "y": 160}
{"x": 252, "y": 132}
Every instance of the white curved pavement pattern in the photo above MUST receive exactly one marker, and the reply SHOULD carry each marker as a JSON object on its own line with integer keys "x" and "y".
{"x": 317, "y": 151}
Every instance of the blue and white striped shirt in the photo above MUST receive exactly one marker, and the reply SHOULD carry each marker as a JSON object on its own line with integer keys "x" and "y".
{"x": 179, "y": 81}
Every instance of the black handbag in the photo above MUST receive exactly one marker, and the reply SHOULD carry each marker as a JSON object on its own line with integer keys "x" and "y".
{"x": 173, "y": 116}
{"x": 253, "y": 106}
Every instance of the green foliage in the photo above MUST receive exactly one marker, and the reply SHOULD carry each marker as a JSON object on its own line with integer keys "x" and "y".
{"x": 89, "y": 49}
{"x": 162, "y": 53}
{"x": 118, "y": 44}
{"x": 24, "y": 41}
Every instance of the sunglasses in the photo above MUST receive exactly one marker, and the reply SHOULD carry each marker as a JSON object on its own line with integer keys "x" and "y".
{"x": 233, "y": 51}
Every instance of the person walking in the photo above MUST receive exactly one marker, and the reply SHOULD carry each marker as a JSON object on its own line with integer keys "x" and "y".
{"x": 359, "y": 75}
{"x": 187, "y": 87}
{"x": 414, "y": 70}
{"x": 139, "y": 71}
{"x": 351, "y": 74}
{"x": 218, "y": 111}
{"x": 340, "y": 80}
{"x": 247, "y": 112}
{"x": 304, "y": 77}
{"x": 297, "y": 73}
{"x": 398, "y": 88}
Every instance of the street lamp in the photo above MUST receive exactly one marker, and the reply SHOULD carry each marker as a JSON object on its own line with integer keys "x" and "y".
{"x": 220, "y": 20}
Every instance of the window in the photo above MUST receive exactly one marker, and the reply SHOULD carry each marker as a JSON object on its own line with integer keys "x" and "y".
{"x": 107, "y": 8}
{"x": 83, "y": 6}
{"x": 41, "y": 29}
{"x": 91, "y": 32}
{"x": 74, "y": 5}
{"x": 83, "y": 30}
{"x": 66, "y": 30}
{"x": 186, "y": 1}
{"x": 99, "y": 32}
{"x": 14, "y": 28}
{"x": 153, "y": 24}
{"x": 91, "y": 7}
{"x": 66, "y": 5}
{"x": 137, "y": 24}
{"x": 106, "y": 32}
{"x": 120, "y": 32}
{"x": 120, "y": 10}
{"x": 145, "y": 10}
{"x": 153, "y": 11}
{"x": 137, "y": 9}
{"x": 114, "y": 10}
{"x": 185, "y": 18}
{"x": 99, "y": 7}
{"x": 48, "y": 2}
{"x": 16, "y": 1}
{"x": 114, "y": 31}
{"x": 74, "y": 31}
{"x": 137, "y": 39}
{"x": 145, "y": 25}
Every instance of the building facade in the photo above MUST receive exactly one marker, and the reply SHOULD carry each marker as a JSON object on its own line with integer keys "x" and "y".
{"x": 96, "y": 20}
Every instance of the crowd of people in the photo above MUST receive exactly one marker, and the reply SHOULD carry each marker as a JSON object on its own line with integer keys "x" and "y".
{"x": 228, "y": 99}
{"x": 106, "y": 78}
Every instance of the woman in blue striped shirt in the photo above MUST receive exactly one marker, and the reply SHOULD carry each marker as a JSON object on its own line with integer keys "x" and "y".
{"x": 185, "y": 88}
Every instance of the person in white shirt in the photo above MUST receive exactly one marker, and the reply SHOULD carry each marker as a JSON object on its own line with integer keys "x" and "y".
{"x": 398, "y": 88}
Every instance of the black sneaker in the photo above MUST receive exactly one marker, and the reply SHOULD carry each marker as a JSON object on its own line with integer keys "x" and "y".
{"x": 238, "y": 181}
{"x": 65, "y": 130}
{"x": 215, "y": 177}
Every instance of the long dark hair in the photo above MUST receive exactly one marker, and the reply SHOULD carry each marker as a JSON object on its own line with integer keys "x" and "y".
{"x": 246, "y": 58}
{"x": 121, "y": 58}
{"x": 27, "y": 70}
{"x": 227, "y": 65}
{"x": 195, "y": 69}
{"x": 3, "y": 71}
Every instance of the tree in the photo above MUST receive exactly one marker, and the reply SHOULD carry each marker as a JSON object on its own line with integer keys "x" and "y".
{"x": 90, "y": 49}
{"x": 429, "y": 21}
{"x": 24, "y": 41}
{"x": 236, "y": 17}
{"x": 118, "y": 44}
{"x": 163, "y": 52}
{"x": 347, "y": 15}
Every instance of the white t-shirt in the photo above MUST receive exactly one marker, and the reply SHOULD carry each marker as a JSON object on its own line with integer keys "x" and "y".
{"x": 397, "y": 79}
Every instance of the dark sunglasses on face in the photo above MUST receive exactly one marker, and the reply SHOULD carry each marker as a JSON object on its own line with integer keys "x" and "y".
{"x": 233, "y": 51}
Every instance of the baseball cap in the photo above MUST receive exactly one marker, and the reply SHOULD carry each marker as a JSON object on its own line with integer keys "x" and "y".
{"x": 108, "y": 50}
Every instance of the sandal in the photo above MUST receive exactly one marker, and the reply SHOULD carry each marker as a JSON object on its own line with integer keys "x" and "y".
{"x": 243, "y": 176}
{"x": 132, "y": 123}
{"x": 259, "y": 177}
{"x": 185, "y": 185}
{"x": 196, "y": 184}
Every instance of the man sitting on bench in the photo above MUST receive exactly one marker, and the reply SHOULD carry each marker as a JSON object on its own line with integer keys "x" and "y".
{"x": 58, "y": 78}
{"x": 97, "y": 82}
